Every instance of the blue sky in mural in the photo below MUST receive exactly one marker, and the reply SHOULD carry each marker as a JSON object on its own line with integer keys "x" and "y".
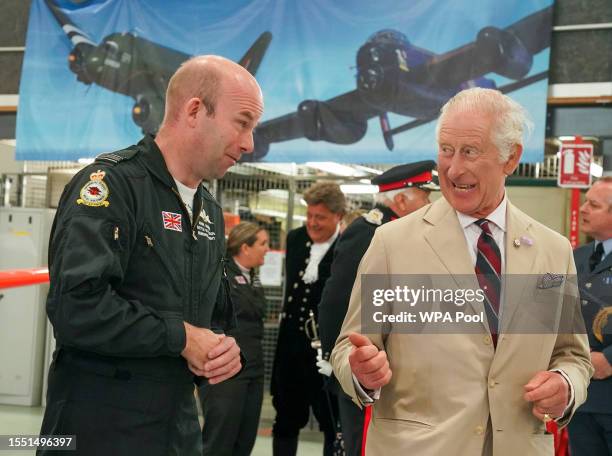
{"x": 312, "y": 56}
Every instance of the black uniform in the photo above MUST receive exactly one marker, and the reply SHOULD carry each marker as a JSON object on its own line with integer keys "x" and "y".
{"x": 127, "y": 268}
{"x": 350, "y": 248}
{"x": 232, "y": 408}
{"x": 296, "y": 383}
{"x": 590, "y": 430}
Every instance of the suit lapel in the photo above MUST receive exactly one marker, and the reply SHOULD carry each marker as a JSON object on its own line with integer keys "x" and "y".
{"x": 520, "y": 260}
{"x": 581, "y": 258}
{"x": 605, "y": 264}
{"x": 448, "y": 242}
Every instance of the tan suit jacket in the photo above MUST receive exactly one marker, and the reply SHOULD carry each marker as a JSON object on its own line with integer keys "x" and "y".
{"x": 453, "y": 394}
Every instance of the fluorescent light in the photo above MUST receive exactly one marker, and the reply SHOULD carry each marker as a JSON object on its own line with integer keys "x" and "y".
{"x": 336, "y": 169}
{"x": 357, "y": 189}
{"x": 596, "y": 170}
{"x": 86, "y": 161}
{"x": 566, "y": 138}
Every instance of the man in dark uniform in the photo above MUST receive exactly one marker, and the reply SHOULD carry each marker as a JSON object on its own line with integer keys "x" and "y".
{"x": 590, "y": 431}
{"x": 136, "y": 263}
{"x": 402, "y": 190}
{"x": 296, "y": 385}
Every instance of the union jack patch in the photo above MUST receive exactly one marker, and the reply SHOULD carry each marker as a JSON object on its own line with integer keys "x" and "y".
{"x": 172, "y": 221}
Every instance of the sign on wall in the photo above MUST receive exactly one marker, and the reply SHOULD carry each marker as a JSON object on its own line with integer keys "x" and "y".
{"x": 575, "y": 165}
{"x": 350, "y": 81}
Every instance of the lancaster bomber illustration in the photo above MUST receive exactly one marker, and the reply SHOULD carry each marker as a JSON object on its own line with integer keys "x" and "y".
{"x": 393, "y": 75}
{"x": 134, "y": 66}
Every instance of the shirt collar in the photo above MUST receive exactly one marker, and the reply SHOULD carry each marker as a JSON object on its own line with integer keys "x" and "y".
{"x": 244, "y": 270}
{"x": 498, "y": 216}
{"x": 607, "y": 246}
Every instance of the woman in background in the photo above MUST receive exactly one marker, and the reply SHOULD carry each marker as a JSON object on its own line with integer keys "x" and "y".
{"x": 232, "y": 408}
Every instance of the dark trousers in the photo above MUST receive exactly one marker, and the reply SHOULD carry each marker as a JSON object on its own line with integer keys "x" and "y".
{"x": 590, "y": 434}
{"x": 351, "y": 420}
{"x": 231, "y": 415}
{"x": 292, "y": 412}
{"x": 118, "y": 412}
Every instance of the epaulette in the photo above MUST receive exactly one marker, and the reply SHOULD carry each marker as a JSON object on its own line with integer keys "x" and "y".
{"x": 117, "y": 157}
{"x": 375, "y": 217}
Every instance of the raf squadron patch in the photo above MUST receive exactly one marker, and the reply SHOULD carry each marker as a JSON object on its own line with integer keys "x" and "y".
{"x": 375, "y": 216}
{"x": 95, "y": 192}
{"x": 600, "y": 322}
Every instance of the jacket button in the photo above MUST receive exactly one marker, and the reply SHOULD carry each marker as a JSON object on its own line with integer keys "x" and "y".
{"x": 304, "y": 300}
{"x": 295, "y": 285}
{"x": 307, "y": 260}
{"x": 479, "y": 430}
{"x": 588, "y": 284}
{"x": 301, "y": 273}
{"x": 302, "y": 309}
{"x": 301, "y": 318}
{"x": 307, "y": 290}
{"x": 290, "y": 298}
{"x": 301, "y": 329}
{"x": 487, "y": 340}
{"x": 584, "y": 302}
{"x": 491, "y": 383}
{"x": 308, "y": 244}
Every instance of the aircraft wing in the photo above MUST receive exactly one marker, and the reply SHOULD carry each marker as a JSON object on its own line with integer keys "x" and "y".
{"x": 508, "y": 52}
{"x": 340, "y": 120}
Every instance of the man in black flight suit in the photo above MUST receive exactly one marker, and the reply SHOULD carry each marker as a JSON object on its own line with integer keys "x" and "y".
{"x": 136, "y": 263}
{"x": 402, "y": 190}
{"x": 296, "y": 385}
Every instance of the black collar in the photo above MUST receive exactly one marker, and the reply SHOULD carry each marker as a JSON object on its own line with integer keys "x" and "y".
{"x": 388, "y": 213}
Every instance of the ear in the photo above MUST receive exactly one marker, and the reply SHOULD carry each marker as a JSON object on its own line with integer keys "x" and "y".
{"x": 192, "y": 108}
{"x": 513, "y": 160}
{"x": 244, "y": 249}
{"x": 400, "y": 201}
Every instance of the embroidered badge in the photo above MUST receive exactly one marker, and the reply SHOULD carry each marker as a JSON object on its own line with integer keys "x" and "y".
{"x": 172, "y": 221}
{"x": 241, "y": 280}
{"x": 204, "y": 216}
{"x": 205, "y": 226}
{"x": 600, "y": 322}
{"x": 375, "y": 216}
{"x": 95, "y": 192}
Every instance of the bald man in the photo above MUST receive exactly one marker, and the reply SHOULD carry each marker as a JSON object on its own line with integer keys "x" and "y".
{"x": 136, "y": 263}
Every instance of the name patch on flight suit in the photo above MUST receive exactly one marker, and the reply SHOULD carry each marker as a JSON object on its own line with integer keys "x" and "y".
{"x": 95, "y": 192}
{"x": 205, "y": 226}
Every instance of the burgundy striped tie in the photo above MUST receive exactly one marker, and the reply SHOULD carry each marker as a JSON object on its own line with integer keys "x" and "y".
{"x": 488, "y": 272}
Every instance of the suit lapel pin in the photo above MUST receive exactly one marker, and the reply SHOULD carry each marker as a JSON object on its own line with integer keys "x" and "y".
{"x": 517, "y": 243}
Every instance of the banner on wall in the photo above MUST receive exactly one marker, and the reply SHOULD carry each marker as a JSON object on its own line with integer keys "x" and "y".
{"x": 350, "y": 81}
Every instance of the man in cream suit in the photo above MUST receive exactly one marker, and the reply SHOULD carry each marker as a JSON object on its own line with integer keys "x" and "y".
{"x": 486, "y": 392}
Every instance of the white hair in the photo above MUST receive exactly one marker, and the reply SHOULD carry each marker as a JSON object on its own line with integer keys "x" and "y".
{"x": 386, "y": 198}
{"x": 511, "y": 120}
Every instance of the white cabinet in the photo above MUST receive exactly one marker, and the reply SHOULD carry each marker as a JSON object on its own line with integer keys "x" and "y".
{"x": 24, "y": 237}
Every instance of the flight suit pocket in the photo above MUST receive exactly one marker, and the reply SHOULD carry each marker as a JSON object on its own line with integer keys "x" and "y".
{"x": 154, "y": 253}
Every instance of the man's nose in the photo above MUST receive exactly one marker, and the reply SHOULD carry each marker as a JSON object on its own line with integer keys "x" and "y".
{"x": 247, "y": 143}
{"x": 456, "y": 166}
